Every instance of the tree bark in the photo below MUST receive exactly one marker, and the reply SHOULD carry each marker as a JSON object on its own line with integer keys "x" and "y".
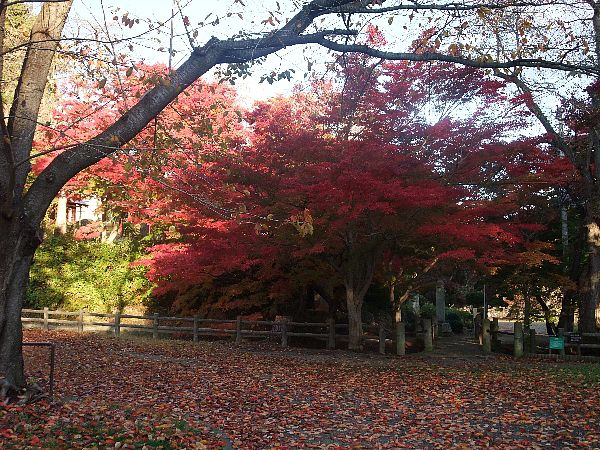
{"x": 17, "y": 245}
{"x": 550, "y": 329}
{"x": 20, "y": 233}
{"x": 358, "y": 276}
{"x": 354, "y": 305}
{"x": 566, "y": 320}
{"x": 589, "y": 319}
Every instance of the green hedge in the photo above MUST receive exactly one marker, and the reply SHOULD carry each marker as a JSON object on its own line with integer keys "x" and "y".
{"x": 71, "y": 275}
{"x": 459, "y": 319}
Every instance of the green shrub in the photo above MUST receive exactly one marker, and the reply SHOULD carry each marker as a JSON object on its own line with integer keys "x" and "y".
{"x": 427, "y": 311}
{"x": 458, "y": 319}
{"x": 72, "y": 275}
{"x": 409, "y": 316}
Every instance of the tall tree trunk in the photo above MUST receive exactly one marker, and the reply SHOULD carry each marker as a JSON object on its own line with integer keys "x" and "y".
{"x": 550, "y": 329}
{"x": 566, "y": 320}
{"x": 574, "y": 269}
{"x": 589, "y": 318}
{"x": 527, "y": 309}
{"x": 17, "y": 245}
{"x": 354, "y": 304}
{"x": 357, "y": 279}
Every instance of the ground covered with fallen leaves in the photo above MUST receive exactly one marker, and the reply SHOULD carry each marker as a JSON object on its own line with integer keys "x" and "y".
{"x": 137, "y": 393}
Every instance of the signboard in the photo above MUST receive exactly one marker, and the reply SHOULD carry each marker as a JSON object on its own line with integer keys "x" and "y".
{"x": 575, "y": 339}
{"x": 557, "y": 343}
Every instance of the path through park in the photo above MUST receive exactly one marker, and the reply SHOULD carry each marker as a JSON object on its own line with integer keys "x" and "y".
{"x": 457, "y": 346}
{"x": 137, "y": 393}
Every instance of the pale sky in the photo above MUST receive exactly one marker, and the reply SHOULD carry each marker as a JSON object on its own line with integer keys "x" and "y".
{"x": 234, "y": 16}
{"x": 88, "y": 14}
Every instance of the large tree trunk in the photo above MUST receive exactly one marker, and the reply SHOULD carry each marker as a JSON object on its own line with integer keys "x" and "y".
{"x": 17, "y": 245}
{"x": 589, "y": 319}
{"x": 357, "y": 279}
{"x": 354, "y": 304}
{"x": 566, "y": 320}
{"x": 19, "y": 230}
{"x": 550, "y": 329}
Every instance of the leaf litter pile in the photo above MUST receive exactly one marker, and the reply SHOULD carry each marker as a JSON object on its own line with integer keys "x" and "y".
{"x": 136, "y": 393}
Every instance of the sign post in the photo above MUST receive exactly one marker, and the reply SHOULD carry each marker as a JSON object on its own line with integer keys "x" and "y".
{"x": 575, "y": 339}
{"x": 556, "y": 343}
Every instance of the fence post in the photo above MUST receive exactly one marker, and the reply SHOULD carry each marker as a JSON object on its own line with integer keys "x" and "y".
{"x": 532, "y": 343}
{"x": 238, "y": 330}
{"x": 381, "y": 338}
{"x": 80, "y": 322}
{"x": 518, "y": 340}
{"x": 494, "y": 329}
{"x": 561, "y": 333}
{"x": 487, "y": 338}
{"x": 526, "y": 335}
{"x": 46, "y": 324}
{"x": 117, "y": 322}
{"x": 195, "y": 328}
{"x": 284, "y": 336}
{"x": 155, "y": 327}
{"x": 400, "y": 338}
{"x": 428, "y": 337}
{"x": 331, "y": 334}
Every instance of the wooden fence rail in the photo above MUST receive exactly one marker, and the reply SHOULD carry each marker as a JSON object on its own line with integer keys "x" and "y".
{"x": 533, "y": 340}
{"x": 155, "y": 324}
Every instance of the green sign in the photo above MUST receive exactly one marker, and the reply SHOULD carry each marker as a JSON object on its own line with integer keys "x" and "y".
{"x": 557, "y": 343}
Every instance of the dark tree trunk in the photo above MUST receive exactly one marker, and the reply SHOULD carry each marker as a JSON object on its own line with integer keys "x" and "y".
{"x": 354, "y": 304}
{"x": 550, "y": 329}
{"x": 357, "y": 280}
{"x": 327, "y": 293}
{"x": 568, "y": 307}
{"x": 566, "y": 320}
{"x": 589, "y": 313}
{"x": 17, "y": 245}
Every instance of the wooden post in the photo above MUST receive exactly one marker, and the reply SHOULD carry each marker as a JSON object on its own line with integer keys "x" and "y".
{"x": 155, "y": 327}
{"x": 195, "y": 328}
{"x": 494, "y": 329}
{"x": 238, "y": 330}
{"x": 80, "y": 321}
{"x": 526, "y": 344}
{"x": 46, "y": 324}
{"x": 331, "y": 334}
{"x": 427, "y": 335}
{"x": 487, "y": 337}
{"x": 284, "y": 336}
{"x": 518, "y": 340}
{"x": 532, "y": 343}
{"x": 381, "y": 338}
{"x": 400, "y": 338}
{"x": 561, "y": 333}
{"x": 117, "y": 322}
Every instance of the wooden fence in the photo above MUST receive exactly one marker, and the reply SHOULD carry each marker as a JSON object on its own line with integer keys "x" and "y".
{"x": 528, "y": 341}
{"x": 329, "y": 332}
